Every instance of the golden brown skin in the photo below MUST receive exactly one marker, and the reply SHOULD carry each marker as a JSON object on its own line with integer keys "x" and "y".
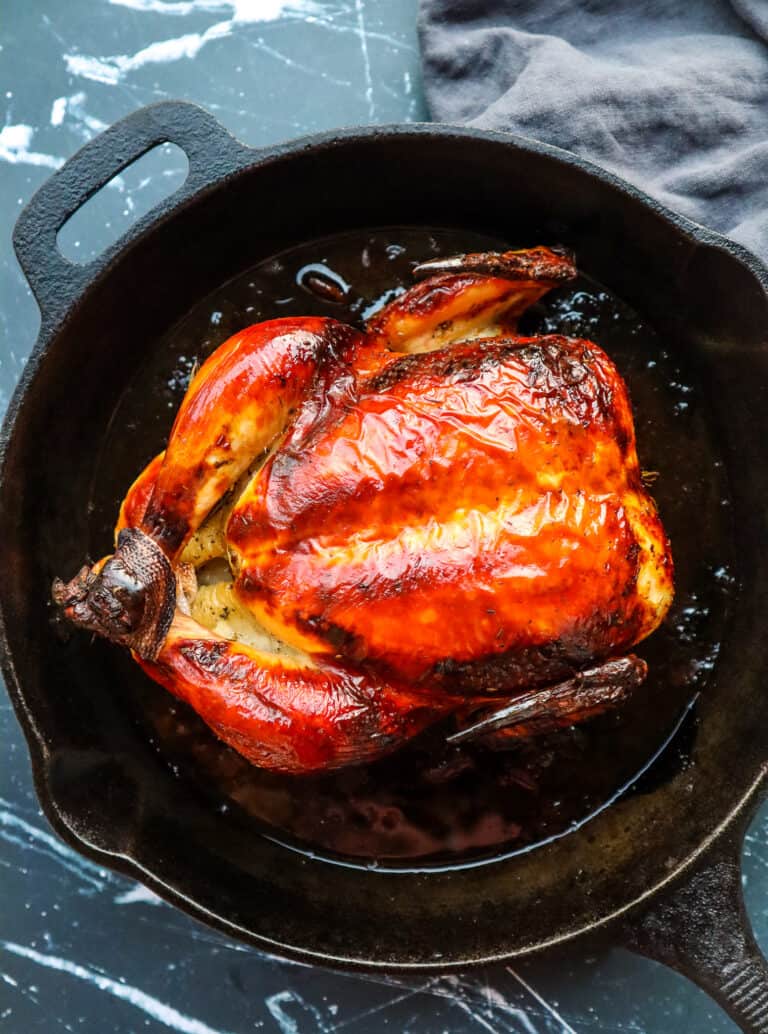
{"x": 240, "y": 401}
{"x": 288, "y": 715}
{"x": 466, "y": 296}
{"x": 494, "y": 481}
{"x": 433, "y": 517}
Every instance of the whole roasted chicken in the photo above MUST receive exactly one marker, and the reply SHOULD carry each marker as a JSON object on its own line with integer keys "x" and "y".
{"x": 353, "y": 535}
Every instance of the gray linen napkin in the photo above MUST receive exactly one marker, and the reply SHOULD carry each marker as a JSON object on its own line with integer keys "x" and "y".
{"x": 670, "y": 94}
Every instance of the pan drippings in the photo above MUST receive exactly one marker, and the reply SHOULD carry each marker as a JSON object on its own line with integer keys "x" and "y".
{"x": 431, "y": 803}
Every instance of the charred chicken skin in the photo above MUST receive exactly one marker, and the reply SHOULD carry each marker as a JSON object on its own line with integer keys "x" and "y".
{"x": 352, "y": 535}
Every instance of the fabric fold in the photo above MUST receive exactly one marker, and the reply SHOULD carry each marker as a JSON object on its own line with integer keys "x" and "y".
{"x": 673, "y": 97}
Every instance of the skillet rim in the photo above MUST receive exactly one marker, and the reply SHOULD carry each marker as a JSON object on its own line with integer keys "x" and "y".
{"x": 92, "y": 273}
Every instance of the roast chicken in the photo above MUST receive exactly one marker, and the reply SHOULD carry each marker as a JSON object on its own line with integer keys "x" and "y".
{"x": 353, "y": 535}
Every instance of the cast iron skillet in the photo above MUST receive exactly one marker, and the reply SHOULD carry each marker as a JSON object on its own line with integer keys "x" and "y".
{"x": 659, "y": 870}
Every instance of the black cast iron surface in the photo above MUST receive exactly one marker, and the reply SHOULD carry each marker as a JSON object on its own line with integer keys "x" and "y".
{"x": 49, "y": 958}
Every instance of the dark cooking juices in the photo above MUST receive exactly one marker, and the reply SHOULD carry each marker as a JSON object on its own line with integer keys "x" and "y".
{"x": 431, "y": 804}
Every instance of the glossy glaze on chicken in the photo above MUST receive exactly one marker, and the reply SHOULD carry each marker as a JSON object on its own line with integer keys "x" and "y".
{"x": 354, "y": 534}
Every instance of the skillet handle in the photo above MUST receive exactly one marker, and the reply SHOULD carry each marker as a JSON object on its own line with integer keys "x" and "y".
{"x": 700, "y": 928}
{"x": 212, "y": 153}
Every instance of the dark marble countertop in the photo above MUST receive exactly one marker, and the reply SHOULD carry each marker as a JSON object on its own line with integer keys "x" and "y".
{"x": 82, "y": 949}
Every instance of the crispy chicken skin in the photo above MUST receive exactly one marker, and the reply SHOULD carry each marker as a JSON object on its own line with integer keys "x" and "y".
{"x": 433, "y": 517}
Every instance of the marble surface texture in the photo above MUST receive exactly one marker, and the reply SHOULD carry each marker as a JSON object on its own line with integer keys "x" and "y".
{"x": 82, "y": 949}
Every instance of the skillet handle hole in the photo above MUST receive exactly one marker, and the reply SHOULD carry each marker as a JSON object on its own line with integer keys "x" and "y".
{"x": 123, "y": 200}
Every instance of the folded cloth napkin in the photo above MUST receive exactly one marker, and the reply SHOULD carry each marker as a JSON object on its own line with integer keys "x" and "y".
{"x": 671, "y": 95}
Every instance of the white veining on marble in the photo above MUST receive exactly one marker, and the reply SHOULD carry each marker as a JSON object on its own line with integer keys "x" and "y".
{"x": 138, "y": 895}
{"x": 362, "y": 35}
{"x": 374, "y": 1009}
{"x": 251, "y": 11}
{"x": 16, "y": 830}
{"x": 503, "y": 1007}
{"x": 111, "y": 70}
{"x": 475, "y": 1002}
{"x": 487, "y": 1008}
{"x": 242, "y": 10}
{"x": 148, "y": 1004}
{"x": 279, "y": 1003}
{"x": 380, "y": 37}
{"x": 85, "y": 124}
{"x": 261, "y": 45}
{"x": 567, "y": 1028}
{"x": 409, "y": 93}
{"x": 14, "y": 148}
{"x": 58, "y": 110}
